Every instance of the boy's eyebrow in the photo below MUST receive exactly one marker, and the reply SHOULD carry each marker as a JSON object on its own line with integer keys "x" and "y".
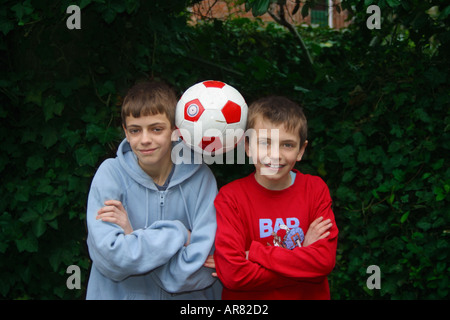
{"x": 150, "y": 125}
{"x": 289, "y": 141}
{"x": 282, "y": 141}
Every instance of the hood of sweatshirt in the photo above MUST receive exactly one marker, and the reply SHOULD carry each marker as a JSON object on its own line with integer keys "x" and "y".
{"x": 182, "y": 171}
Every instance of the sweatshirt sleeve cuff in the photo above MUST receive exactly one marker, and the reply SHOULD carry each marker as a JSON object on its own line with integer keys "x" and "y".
{"x": 184, "y": 230}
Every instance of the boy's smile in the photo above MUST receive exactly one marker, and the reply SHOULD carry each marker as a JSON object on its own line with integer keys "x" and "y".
{"x": 150, "y": 140}
{"x": 274, "y": 152}
{"x": 147, "y": 151}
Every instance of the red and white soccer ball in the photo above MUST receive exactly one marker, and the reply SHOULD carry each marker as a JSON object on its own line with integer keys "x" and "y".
{"x": 211, "y": 117}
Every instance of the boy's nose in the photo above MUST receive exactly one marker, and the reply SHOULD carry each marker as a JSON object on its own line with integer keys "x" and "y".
{"x": 274, "y": 152}
{"x": 274, "y": 148}
{"x": 274, "y": 155}
{"x": 146, "y": 137}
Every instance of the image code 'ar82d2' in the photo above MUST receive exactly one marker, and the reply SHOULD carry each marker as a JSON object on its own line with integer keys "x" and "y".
{"x": 211, "y": 117}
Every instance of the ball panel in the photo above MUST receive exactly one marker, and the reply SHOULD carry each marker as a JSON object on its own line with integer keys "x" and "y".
{"x": 213, "y": 84}
{"x": 213, "y": 98}
{"x": 212, "y": 119}
{"x": 233, "y": 95}
{"x": 232, "y": 112}
{"x": 211, "y": 144}
{"x": 193, "y": 110}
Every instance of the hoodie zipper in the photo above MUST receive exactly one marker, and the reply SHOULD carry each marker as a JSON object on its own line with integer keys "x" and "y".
{"x": 162, "y": 200}
{"x": 161, "y": 205}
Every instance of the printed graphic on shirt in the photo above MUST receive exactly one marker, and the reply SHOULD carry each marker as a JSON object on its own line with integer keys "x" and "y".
{"x": 294, "y": 238}
{"x": 266, "y": 226}
{"x": 288, "y": 238}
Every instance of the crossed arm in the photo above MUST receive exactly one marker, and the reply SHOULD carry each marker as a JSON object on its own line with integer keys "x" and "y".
{"x": 114, "y": 212}
{"x": 317, "y": 230}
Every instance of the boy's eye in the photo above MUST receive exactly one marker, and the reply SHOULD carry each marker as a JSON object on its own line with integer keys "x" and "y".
{"x": 157, "y": 130}
{"x": 133, "y": 131}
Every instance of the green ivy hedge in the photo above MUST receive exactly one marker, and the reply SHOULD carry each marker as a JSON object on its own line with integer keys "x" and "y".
{"x": 378, "y": 116}
{"x": 382, "y": 146}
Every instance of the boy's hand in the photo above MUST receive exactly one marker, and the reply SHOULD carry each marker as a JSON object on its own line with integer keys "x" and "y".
{"x": 317, "y": 230}
{"x": 188, "y": 241}
{"x": 114, "y": 212}
{"x": 209, "y": 263}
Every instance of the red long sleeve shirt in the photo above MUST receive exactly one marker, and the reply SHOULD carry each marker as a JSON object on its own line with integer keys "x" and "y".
{"x": 247, "y": 214}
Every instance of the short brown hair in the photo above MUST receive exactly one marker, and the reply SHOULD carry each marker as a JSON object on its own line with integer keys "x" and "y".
{"x": 149, "y": 98}
{"x": 279, "y": 110}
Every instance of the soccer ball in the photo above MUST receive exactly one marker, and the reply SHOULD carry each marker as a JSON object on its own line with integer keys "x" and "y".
{"x": 211, "y": 117}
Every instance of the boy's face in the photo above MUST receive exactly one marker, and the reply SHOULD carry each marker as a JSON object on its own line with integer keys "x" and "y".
{"x": 274, "y": 152}
{"x": 150, "y": 140}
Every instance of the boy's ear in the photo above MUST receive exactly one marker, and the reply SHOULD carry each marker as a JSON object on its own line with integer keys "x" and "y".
{"x": 302, "y": 151}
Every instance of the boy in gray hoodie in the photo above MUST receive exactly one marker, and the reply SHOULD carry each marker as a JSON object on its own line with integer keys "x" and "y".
{"x": 151, "y": 223}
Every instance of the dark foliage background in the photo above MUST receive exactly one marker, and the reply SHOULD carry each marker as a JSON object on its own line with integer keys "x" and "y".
{"x": 377, "y": 103}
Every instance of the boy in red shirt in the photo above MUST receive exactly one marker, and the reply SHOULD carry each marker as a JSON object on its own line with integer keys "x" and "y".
{"x": 276, "y": 234}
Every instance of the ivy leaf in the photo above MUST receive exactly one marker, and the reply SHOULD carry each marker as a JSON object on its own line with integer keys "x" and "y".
{"x": 106, "y": 88}
{"x": 88, "y": 157}
{"x": 22, "y": 9}
{"x": 445, "y": 13}
{"x": 393, "y": 3}
{"x": 260, "y": 7}
{"x": 28, "y": 243}
{"x": 55, "y": 259}
{"x": 424, "y": 225}
{"x": 301, "y": 89}
{"x": 84, "y": 3}
{"x": 438, "y": 164}
{"x": 39, "y": 227}
{"x": 51, "y": 107}
{"x": 5, "y": 25}
{"x": 440, "y": 194}
{"x": 104, "y": 135}
{"x": 119, "y": 7}
{"x": 34, "y": 96}
{"x": 35, "y": 162}
{"x": 49, "y": 136}
{"x": 109, "y": 15}
{"x": 404, "y": 217}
